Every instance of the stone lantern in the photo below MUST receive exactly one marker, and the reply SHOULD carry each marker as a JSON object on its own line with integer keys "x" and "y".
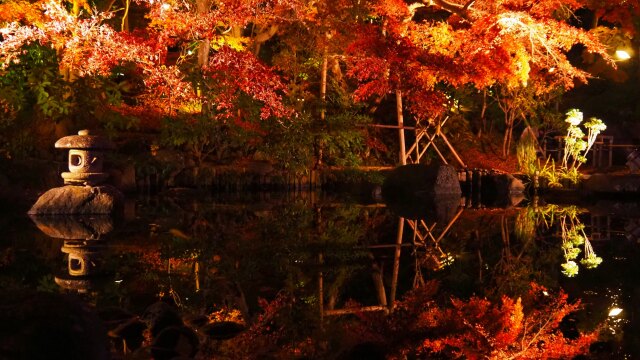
{"x": 85, "y": 191}
{"x": 86, "y": 158}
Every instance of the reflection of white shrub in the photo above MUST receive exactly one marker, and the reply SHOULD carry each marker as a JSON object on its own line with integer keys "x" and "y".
{"x": 571, "y": 232}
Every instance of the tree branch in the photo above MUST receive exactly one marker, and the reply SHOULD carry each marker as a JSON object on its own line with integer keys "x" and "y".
{"x": 460, "y": 10}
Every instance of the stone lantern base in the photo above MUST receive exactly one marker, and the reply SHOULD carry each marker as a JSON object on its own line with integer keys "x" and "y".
{"x": 104, "y": 199}
{"x": 90, "y": 179}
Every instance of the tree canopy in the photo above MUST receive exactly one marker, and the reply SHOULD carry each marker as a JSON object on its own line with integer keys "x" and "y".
{"x": 245, "y": 60}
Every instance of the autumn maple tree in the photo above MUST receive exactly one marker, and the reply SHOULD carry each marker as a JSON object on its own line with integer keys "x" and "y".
{"x": 423, "y": 50}
{"x": 87, "y": 46}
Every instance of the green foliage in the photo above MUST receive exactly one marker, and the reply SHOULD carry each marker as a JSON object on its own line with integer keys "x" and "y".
{"x": 205, "y": 138}
{"x": 32, "y": 92}
{"x": 93, "y": 100}
{"x": 292, "y": 145}
{"x": 34, "y": 97}
{"x": 36, "y": 82}
{"x": 344, "y": 140}
{"x": 549, "y": 172}
{"x": 526, "y": 154}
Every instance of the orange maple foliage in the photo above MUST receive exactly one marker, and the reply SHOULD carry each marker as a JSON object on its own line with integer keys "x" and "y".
{"x": 21, "y": 11}
{"x": 88, "y": 47}
{"x": 513, "y": 43}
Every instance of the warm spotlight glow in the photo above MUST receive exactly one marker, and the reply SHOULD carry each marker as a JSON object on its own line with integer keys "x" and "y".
{"x": 166, "y": 6}
{"x": 615, "y": 311}
{"x": 622, "y": 55}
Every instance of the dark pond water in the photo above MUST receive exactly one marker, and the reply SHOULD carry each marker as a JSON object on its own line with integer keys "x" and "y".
{"x": 301, "y": 275}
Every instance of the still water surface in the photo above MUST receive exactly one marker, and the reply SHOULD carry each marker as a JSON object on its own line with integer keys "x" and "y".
{"x": 309, "y": 262}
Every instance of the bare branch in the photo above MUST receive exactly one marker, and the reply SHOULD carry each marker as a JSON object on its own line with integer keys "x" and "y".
{"x": 460, "y": 10}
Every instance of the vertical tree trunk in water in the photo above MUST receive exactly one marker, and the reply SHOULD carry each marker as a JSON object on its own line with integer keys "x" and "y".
{"x": 403, "y": 156}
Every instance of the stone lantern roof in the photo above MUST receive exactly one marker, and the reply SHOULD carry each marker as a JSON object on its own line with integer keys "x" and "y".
{"x": 84, "y": 140}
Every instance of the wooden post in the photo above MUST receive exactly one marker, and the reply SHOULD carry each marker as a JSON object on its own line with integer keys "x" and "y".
{"x": 403, "y": 155}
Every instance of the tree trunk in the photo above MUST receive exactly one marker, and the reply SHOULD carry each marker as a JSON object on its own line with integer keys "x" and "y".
{"x": 125, "y": 17}
{"x": 403, "y": 155}
{"x": 508, "y": 131}
{"x": 323, "y": 83}
{"x": 203, "y": 49}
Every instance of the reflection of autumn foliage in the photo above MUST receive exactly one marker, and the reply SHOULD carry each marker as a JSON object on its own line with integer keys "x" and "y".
{"x": 270, "y": 335}
{"x": 523, "y": 328}
{"x": 527, "y": 327}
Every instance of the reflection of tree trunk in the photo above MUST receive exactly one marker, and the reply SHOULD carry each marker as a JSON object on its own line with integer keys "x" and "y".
{"x": 241, "y": 301}
{"x": 333, "y": 298}
{"x": 478, "y": 240}
{"x": 396, "y": 264}
{"x": 196, "y": 274}
{"x": 504, "y": 229}
{"x": 379, "y": 285}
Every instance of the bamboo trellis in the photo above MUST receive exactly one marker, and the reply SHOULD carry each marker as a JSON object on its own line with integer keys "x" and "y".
{"x": 425, "y": 136}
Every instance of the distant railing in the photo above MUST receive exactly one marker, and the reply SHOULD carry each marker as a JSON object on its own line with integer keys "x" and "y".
{"x": 600, "y": 156}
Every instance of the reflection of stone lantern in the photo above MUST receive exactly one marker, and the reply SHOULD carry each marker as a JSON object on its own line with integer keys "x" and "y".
{"x": 83, "y": 244}
{"x": 83, "y": 256}
{"x": 83, "y": 265}
{"x": 86, "y": 158}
